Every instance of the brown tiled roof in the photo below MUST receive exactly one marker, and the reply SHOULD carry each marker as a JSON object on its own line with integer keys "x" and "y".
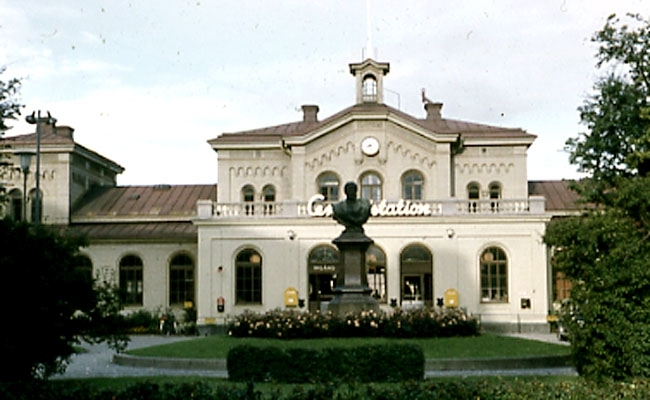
{"x": 53, "y": 136}
{"x": 559, "y": 196}
{"x": 136, "y": 231}
{"x": 274, "y": 134}
{"x": 161, "y": 202}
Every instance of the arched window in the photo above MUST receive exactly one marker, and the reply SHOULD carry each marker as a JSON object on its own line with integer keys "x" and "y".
{"x": 473, "y": 194}
{"x": 371, "y": 187}
{"x": 328, "y": 186}
{"x": 16, "y": 211}
{"x": 412, "y": 185}
{"x": 248, "y": 196}
{"x": 84, "y": 266}
{"x": 495, "y": 196}
{"x": 131, "y": 285}
{"x": 323, "y": 264}
{"x": 248, "y": 271}
{"x": 494, "y": 275}
{"x": 369, "y": 88}
{"x": 416, "y": 264}
{"x": 181, "y": 281}
{"x": 376, "y": 267}
{"x": 268, "y": 194}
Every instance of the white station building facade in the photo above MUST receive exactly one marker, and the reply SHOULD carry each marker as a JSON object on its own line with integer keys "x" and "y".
{"x": 455, "y": 221}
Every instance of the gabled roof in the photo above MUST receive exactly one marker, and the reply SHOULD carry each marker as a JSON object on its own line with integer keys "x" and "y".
{"x": 274, "y": 135}
{"x": 59, "y": 136}
{"x": 138, "y": 203}
{"x": 560, "y": 198}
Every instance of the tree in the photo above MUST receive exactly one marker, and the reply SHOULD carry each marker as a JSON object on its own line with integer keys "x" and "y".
{"x": 617, "y": 116}
{"x": 50, "y": 304}
{"x": 9, "y": 109}
{"x": 604, "y": 250}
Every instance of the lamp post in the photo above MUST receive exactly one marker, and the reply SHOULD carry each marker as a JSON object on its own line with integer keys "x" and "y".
{"x": 38, "y": 120}
{"x": 25, "y": 158}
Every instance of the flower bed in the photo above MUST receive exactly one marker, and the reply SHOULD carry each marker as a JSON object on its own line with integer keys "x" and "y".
{"x": 423, "y": 323}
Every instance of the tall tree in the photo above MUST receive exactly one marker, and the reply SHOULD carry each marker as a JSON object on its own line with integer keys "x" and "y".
{"x": 9, "y": 110}
{"x": 604, "y": 251}
{"x": 9, "y": 104}
{"x": 617, "y": 116}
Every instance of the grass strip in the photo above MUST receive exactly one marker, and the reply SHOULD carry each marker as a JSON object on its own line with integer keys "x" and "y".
{"x": 483, "y": 346}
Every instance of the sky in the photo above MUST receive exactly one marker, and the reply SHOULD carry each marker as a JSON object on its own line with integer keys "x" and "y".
{"x": 147, "y": 85}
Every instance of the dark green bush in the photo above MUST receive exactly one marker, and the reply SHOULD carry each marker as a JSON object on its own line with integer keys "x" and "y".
{"x": 380, "y": 363}
{"x": 142, "y": 321}
{"x": 429, "y": 322}
{"x": 448, "y": 389}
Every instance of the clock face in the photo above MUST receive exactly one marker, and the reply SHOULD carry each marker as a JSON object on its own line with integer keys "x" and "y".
{"x": 370, "y": 146}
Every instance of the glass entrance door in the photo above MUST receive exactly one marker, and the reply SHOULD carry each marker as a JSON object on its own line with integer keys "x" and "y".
{"x": 322, "y": 268}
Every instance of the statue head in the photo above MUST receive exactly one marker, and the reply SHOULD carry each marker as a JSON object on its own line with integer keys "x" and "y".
{"x": 351, "y": 190}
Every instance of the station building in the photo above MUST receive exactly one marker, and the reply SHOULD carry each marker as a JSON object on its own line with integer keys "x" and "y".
{"x": 455, "y": 220}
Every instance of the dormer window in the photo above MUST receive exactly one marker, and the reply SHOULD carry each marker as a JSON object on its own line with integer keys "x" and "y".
{"x": 369, "y": 88}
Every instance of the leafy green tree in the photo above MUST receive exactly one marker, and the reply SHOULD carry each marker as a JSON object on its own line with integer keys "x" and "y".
{"x": 9, "y": 105}
{"x": 49, "y": 303}
{"x": 9, "y": 109}
{"x": 604, "y": 251}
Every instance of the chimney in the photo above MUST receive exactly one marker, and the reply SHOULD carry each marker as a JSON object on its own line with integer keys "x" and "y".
{"x": 65, "y": 131}
{"x": 434, "y": 110}
{"x": 46, "y": 126}
{"x": 309, "y": 113}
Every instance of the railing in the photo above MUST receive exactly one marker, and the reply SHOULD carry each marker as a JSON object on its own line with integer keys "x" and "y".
{"x": 316, "y": 207}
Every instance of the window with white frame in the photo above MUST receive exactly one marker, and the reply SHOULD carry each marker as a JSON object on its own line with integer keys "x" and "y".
{"x": 371, "y": 187}
{"x": 494, "y": 275}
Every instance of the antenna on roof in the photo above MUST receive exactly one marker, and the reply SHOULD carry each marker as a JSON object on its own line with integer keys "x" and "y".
{"x": 368, "y": 50}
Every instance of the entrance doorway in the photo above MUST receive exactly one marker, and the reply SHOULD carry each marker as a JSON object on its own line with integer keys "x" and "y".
{"x": 416, "y": 266}
{"x": 323, "y": 265}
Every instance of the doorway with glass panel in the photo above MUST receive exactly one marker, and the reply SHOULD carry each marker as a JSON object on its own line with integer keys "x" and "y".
{"x": 416, "y": 266}
{"x": 323, "y": 266}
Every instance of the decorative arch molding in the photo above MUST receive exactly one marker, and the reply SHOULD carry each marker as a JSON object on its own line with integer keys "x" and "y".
{"x": 259, "y": 171}
{"x": 491, "y": 168}
{"x": 415, "y": 156}
{"x": 330, "y": 155}
{"x": 17, "y": 175}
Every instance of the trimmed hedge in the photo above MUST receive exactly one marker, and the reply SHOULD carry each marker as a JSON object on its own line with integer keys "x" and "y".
{"x": 379, "y": 363}
{"x": 421, "y": 323}
{"x": 453, "y": 388}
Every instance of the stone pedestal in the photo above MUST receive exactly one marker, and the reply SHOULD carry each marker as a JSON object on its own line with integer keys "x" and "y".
{"x": 352, "y": 293}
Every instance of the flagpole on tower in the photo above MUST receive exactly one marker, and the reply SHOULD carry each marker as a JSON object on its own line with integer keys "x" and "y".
{"x": 368, "y": 49}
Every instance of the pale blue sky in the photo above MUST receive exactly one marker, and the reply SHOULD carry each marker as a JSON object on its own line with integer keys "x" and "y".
{"x": 147, "y": 84}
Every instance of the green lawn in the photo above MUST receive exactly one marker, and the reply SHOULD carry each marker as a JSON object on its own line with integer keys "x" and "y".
{"x": 483, "y": 346}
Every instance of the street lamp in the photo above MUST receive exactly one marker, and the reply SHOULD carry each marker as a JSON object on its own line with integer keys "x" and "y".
{"x": 25, "y": 158}
{"x": 38, "y": 120}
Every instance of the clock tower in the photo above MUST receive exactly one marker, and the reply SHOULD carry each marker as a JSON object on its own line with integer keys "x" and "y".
{"x": 370, "y": 80}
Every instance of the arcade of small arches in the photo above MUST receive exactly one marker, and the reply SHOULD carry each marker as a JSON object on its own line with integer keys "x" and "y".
{"x": 371, "y": 187}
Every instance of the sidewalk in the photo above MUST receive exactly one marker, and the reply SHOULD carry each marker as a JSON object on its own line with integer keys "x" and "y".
{"x": 98, "y": 362}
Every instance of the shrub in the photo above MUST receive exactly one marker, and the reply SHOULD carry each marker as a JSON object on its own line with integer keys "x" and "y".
{"x": 142, "y": 321}
{"x": 422, "y": 323}
{"x": 453, "y": 388}
{"x": 380, "y": 363}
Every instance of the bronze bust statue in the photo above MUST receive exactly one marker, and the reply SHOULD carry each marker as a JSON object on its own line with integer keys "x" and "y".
{"x": 352, "y": 212}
